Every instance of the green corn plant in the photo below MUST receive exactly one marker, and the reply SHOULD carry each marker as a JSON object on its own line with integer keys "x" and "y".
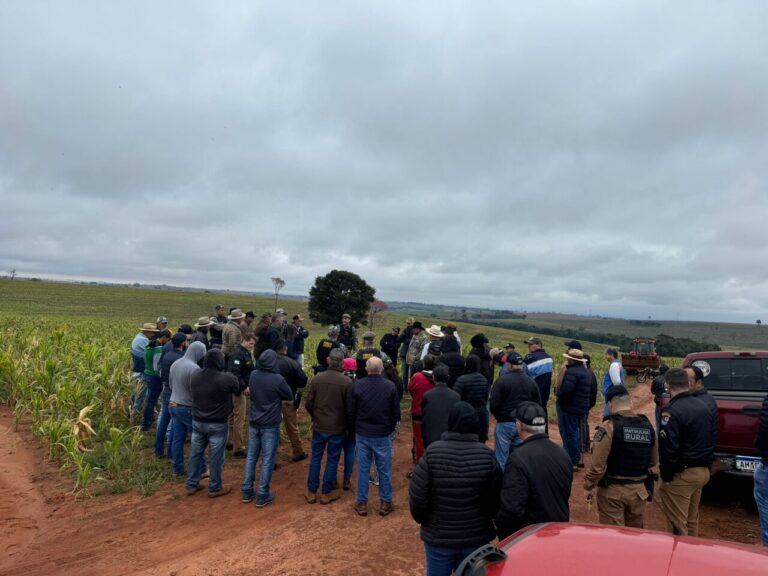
{"x": 113, "y": 447}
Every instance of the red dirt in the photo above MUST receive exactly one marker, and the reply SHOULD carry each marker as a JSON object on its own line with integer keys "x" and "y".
{"x": 45, "y": 531}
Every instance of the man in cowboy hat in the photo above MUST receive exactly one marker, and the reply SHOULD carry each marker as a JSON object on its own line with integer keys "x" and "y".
{"x": 232, "y": 332}
{"x": 201, "y": 331}
{"x": 435, "y": 341}
{"x": 573, "y": 403}
{"x": 418, "y": 340}
{"x": 232, "y": 337}
{"x": 138, "y": 346}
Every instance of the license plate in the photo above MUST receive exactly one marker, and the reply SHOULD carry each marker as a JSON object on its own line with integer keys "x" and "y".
{"x": 747, "y": 463}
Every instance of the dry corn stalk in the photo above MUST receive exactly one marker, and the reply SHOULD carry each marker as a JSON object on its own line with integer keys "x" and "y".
{"x": 82, "y": 429}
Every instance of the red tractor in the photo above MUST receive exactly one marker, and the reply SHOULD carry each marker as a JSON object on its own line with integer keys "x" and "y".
{"x": 642, "y": 360}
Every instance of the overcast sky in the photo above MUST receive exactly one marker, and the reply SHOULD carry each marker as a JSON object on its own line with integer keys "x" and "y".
{"x": 607, "y": 156}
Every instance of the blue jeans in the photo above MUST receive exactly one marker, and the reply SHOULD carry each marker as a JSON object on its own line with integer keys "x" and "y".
{"x": 181, "y": 425}
{"x": 378, "y": 450}
{"x": 350, "y": 449}
{"x": 206, "y": 434}
{"x": 505, "y": 438}
{"x": 262, "y": 441}
{"x": 154, "y": 389}
{"x": 162, "y": 426}
{"x": 320, "y": 440}
{"x": 443, "y": 561}
{"x": 139, "y": 395}
{"x": 569, "y": 425}
{"x": 761, "y": 499}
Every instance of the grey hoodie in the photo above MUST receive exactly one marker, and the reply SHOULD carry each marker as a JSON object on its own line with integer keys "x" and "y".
{"x": 181, "y": 374}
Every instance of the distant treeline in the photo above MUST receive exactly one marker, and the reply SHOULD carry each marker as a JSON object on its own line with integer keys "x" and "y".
{"x": 665, "y": 345}
{"x": 645, "y": 323}
{"x": 498, "y": 314}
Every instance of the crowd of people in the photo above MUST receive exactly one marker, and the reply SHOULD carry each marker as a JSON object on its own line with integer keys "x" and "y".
{"x": 462, "y": 492}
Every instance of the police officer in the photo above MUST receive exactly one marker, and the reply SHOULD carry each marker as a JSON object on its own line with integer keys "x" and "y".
{"x": 686, "y": 451}
{"x": 365, "y": 353}
{"x": 625, "y": 461}
{"x": 348, "y": 334}
{"x": 324, "y": 348}
{"x": 696, "y": 386}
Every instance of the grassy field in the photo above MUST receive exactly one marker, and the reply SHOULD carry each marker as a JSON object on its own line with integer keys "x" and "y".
{"x": 729, "y": 336}
{"x": 65, "y": 361}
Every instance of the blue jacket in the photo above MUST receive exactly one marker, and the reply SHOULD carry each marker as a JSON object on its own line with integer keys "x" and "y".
{"x": 539, "y": 366}
{"x": 268, "y": 390}
{"x": 373, "y": 406}
{"x": 138, "y": 346}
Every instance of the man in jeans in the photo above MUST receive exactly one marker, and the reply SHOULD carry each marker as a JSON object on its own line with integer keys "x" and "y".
{"x": 509, "y": 391}
{"x": 268, "y": 390}
{"x": 212, "y": 390}
{"x": 326, "y": 404}
{"x": 573, "y": 403}
{"x": 180, "y": 403}
{"x": 761, "y": 473}
{"x": 374, "y": 410}
{"x": 179, "y": 342}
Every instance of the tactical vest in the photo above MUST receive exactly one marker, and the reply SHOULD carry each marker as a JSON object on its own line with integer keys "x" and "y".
{"x": 362, "y": 356}
{"x": 323, "y": 350}
{"x": 347, "y": 335}
{"x": 633, "y": 440}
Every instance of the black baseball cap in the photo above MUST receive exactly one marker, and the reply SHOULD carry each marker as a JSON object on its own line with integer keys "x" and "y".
{"x": 514, "y": 358}
{"x": 615, "y": 391}
{"x": 573, "y": 344}
{"x": 531, "y": 413}
{"x": 178, "y": 339}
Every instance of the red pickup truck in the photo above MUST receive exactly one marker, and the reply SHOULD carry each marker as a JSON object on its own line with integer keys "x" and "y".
{"x": 738, "y": 381}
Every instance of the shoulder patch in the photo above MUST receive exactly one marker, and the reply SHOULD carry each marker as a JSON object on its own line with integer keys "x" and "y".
{"x": 600, "y": 434}
{"x": 664, "y": 418}
{"x": 327, "y": 344}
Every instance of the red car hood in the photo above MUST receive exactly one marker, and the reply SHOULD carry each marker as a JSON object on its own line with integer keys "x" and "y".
{"x": 590, "y": 550}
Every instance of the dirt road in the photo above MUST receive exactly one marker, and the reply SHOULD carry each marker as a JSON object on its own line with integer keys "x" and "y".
{"x": 45, "y": 532}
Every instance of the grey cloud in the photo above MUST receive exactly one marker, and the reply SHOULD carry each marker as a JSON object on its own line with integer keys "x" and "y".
{"x": 606, "y": 157}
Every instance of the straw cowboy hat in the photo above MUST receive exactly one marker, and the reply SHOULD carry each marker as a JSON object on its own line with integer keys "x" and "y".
{"x": 435, "y": 331}
{"x": 203, "y": 321}
{"x": 575, "y": 354}
{"x": 236, "y": 314}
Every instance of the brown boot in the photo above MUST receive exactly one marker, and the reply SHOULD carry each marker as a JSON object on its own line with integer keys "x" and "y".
{"x": 386, "y": 508}
{"x": 361, "y": 508}
{"x": 310, "y": 497}
{"x": 347, "y": 485}
{"x": 330, "y": 497}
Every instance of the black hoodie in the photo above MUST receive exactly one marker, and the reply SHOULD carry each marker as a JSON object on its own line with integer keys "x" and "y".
{"x": 212, "y": 390}
{"x": 455, "y": 487}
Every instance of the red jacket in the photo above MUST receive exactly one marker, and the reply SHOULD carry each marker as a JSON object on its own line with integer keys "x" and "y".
{"x": 419, "y": 385}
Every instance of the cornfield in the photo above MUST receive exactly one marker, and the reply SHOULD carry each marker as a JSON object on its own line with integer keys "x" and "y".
{"x": 68, "y": 377}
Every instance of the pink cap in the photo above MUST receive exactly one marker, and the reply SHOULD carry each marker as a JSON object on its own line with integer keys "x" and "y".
{"x": 350, "y": 364}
